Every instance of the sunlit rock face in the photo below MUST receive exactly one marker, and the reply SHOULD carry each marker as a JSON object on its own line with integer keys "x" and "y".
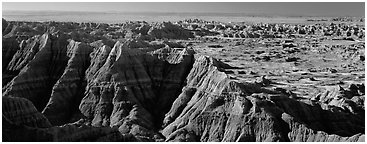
{"x": 169, "y": 31}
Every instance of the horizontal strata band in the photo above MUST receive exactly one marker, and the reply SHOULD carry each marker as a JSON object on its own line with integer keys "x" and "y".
{"x": 190, "y": 80}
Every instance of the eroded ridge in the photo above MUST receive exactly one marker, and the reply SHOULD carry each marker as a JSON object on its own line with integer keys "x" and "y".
{"x": 140, "y": 81}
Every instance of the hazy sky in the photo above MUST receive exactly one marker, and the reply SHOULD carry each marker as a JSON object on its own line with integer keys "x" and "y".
{"x": 267, "y": 8}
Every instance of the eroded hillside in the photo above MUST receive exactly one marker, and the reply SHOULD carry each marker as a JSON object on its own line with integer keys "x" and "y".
{"x": 191, "y": 80}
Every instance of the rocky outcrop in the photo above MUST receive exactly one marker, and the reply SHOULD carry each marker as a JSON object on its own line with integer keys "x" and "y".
{"x": 68, "y": 90}
{"x": 36, "y": 79}
{"x": 21, "y": 111}
{"x": 132, "y": 86}
{"x": 26, "y": 51}
{"x": 212, "y": 107}
{"x": 85, "y": 82}
{"x": 4, "y": 24}
{"x": 204, "y": 108}
{"x": 73, "y": 132}
{"x": 9, "y": 48}
{"x": 142, "y": 28}
{"x": 320, "y": 118}
{"x": 81, "y": 132}
{"x": 7, "y": 27}
{"x": 169, "y": 31}
{"x": 21, "y": 133}
{"x": 301, "y": 133}
{"x": 347, "y": 99}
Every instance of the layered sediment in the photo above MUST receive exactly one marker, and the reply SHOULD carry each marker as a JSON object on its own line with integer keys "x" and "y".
{"x": 135, "y": 85}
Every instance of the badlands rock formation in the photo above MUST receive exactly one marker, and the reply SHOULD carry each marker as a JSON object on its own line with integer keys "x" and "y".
{"x": 138, "y": 81}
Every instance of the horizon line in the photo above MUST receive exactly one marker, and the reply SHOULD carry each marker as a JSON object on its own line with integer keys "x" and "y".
{"x": 161, "y": 12}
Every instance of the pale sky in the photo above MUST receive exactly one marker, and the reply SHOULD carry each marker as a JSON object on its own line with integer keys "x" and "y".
{"x": 267, "y": 8}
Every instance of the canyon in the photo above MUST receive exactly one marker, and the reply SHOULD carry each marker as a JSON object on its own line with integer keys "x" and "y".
{"x": 188, "y": 81}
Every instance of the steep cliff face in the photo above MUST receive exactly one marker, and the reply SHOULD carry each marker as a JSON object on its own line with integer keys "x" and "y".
{"x": 26, "y": 51}
{"x": 7, "y": 27}
{"x": 4, "y": 24}
{"x": 36, "y": 78}
{"x": 132, "y": 89}
{"x": 68, "y": 90}
{"x": 128, "y": 93}
{"x": 9, "y": 48}
{"x": 212, "y": 107}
